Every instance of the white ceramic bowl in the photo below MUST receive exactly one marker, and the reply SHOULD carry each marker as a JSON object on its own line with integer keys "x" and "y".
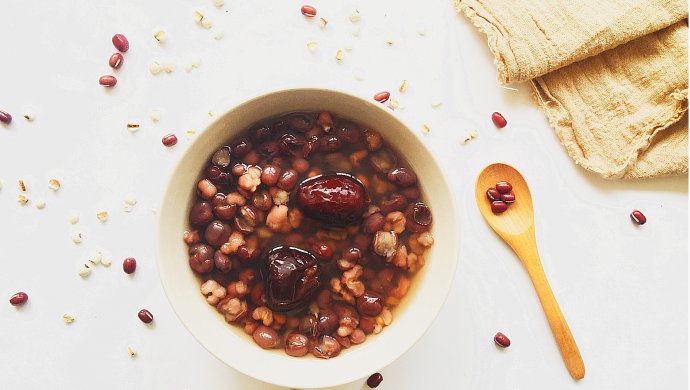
{"x": 230, "y": 344}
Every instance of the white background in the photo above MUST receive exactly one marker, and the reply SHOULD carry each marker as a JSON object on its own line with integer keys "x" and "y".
{"x": 623, "y": 288}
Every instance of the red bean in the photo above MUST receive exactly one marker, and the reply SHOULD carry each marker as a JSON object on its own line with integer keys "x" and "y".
{"x": 300, "y": 122}
{"x": 344, "y": 341}
{"x": 288, "y": 180}
{"x": 241, "y": 147}
{"x": 266, "y": 337}
{"x": 300, "y": 165}
{"x": 327, "y": 348}
{"x": 327, "y": 322}
{"x": 247, "y": 220}
{"x": 421, "y": 214}
{"x": 348, "y": 132}
{"x": 261, "y": 134}
{"x": 169, "y": 140}
{"x": 107, "y": 81}
{"x": 330, "y": 144}
{"x": 19, "y": 298}
{"x": 374, "y": 380}
{"x": 262, "y": 200}
{"x": 396, "y": 202}
{"x": 222, "y": 262}
{"x": 403, "y": 177}
{"x": 324, "y": 299}
{"x": 239, "y": 169}
{"x": 270, "y": 175}
{"x": 225, "y": 212}
{"x": 200, "y": 214}
{"x": 502, "y": 340}
{"x": 499, "y": 120}
{"x": 411, "y": 193}
{"x": 638, "y": 217}
{"x": 373, "y": 223}
{"x": 5, "y": 117}
{"x": 251, "y": 158}
{"x": 115, "y": 60}
{"x": 308, "y": 325}
{"x": 120, "y": 42}
{"x": 129, "y": 265}
{"x": 201, "y": 258}
{"x": 493, "y": 194}
{"x": 215, "y": 174}
{"x": 221, "y": 157}
{"x": 508, "y": 198}
{"x": 358, "y": 336}
{"x": 308, "y": 11}
{"x": 382, "y": 96}
{"x": 297, "y": 344}
{"x": 504, "y": 187}
{"x": 217, "y": 233}
{"x": 352, "y": 255}
{"x": 373, "y": 140}
{"x": 367, "y": 324}
{"x": 370, "y": 304}
{"x": 323, "y": 251}
{"x": 145, "y": 316}
{"x": 498, "y": 206}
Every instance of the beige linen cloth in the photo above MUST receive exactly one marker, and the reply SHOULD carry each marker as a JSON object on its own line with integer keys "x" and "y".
{"x": 610, "y": 75}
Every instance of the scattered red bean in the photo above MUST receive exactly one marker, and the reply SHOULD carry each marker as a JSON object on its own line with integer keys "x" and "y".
{"x": 493, "y": 194}
{"x": 145, "y": 316}
{"x": 504, "y": 187}
{"x": 107, "y": 81}
{"x": 498, "y": 206}
{"x": 19, "y": 298}
{"x": 120, "y": 42}
{"x": 5, "y": 117}
{"x": 499, "y": 120}
{"x": 382, "y": 96}
{"x": 308, "y": 11}
{"x": 638, "y": 217}
{"x": 115, "y": 60}
{"x": 375, "y": 380}
{"x": 169, "y": 140}
{"x": 502, "y": 340}
{"x": 129, "y": 265}
{"x": 508, "y": 198}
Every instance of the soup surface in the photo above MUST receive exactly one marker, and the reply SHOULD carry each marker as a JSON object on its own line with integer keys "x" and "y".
{"x": 306, "y": 231}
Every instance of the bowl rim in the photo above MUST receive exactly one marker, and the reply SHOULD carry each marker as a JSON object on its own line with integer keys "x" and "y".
{"x": 345, "y": 378}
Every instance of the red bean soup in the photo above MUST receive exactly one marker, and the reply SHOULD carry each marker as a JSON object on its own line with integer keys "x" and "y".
{"x": 306, "y": 231}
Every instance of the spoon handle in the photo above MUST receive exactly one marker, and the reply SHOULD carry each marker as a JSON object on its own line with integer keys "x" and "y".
{"x": 559, "y": 327}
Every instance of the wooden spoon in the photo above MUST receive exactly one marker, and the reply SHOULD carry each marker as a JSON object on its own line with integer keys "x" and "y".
{"x": 516, "y": 227}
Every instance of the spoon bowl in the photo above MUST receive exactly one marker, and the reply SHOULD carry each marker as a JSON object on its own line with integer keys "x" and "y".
{"x": 516, "y": 228}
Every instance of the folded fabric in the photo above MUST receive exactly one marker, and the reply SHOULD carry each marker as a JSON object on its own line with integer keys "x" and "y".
{"x": 611, "y": 76}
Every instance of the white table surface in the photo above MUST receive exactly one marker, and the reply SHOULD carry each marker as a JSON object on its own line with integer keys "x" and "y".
{"x": 623, "y": 288}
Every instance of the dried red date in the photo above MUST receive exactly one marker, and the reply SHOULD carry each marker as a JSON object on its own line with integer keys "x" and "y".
{"x": 291, "y": 276}
{"x": 336, "y": 199}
